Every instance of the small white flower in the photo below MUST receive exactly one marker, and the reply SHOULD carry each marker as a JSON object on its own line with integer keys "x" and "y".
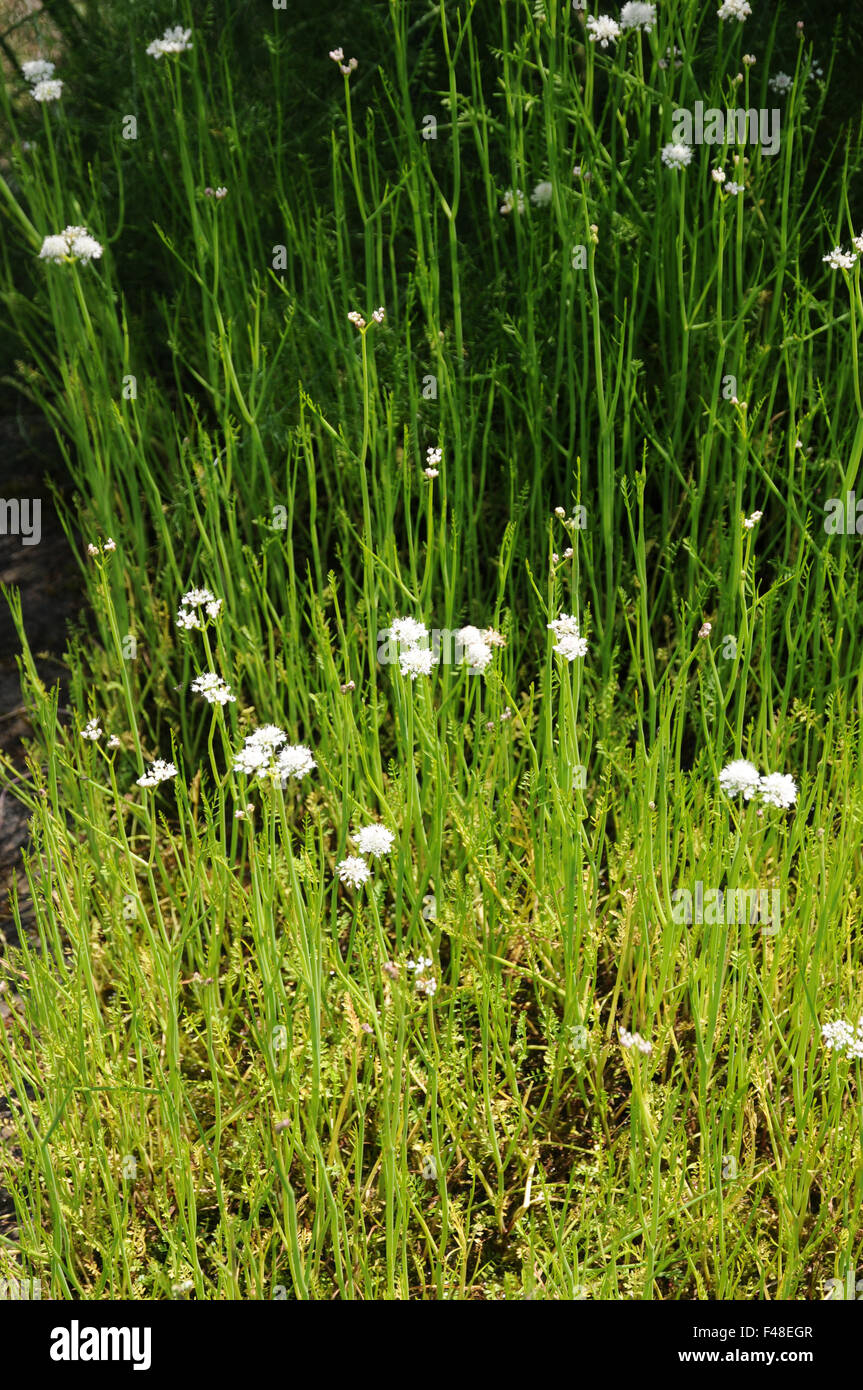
{"x": 718, "y": 175}
{"x": 570, "y": 643}
{"x": 356, "y": 319}
{"x": 417, "y": 661}
{"x": 705, "y": 630}
{"x": 676, "y": 156}
{"x": 294, "y": 761}
{"x": 92, "y": 730}
{"x": 740, "y": 776}
{"x": 188, "y": 615}
{"x": 858, "y": 242}
{"x": 512, "y": 199}
{"x": 837, "y": 259}
{"x": 635, "y": 1040}
{"x": 49, "y": 90}
{"x": 433, "y": 457}
{"x": 750, "y": 521}
{"x": 603, "y": 29}
{"x": 374, "y": 840}
{"x": 160, "y": 771}
{"x": 353, "y": 870}
{"x": 423, "y": 982}
{"x": 110, "y": 544}
{"x": 378, "y": 315}
{"x": 37, "y": 69}
{"x": 638, "y": 16}
{"x": 253, "y": 759}
{"x": 73, "y": 244}
{"x": 407, "y": 631}
{"x": 347, "y": 68}
{"x": 174, "y": 40}
{"x": 268, "y": 736}
{"x": 194, "y": 598}
{"x": 734, "y": 188}
{"x": 421, "y": 964}
{"x": 735, "y": 9}
{"x": 337, "y": 55}
{"x": 113, "y": 742}
{"x": 671, "y": 56}
{"x": 749, "y": 60}
{"x": 541, "y": 195}
{"x": 213, "y": 688}
{"x": 781, "y": 82}
{"x": 432, "y": 472}
{"x": 842, "y": 1037}
{"x": 778, "y": 789}
{"x": 474, "y": 649}
{"x": 85, "y": 248}
{"x": 54, "y": 248}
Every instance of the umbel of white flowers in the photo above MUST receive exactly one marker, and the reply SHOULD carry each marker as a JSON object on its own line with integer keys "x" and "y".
{"x": 774, "y": 789}
{"x": 570, "y": 643}
{"x": 174, "y": 40}
{"x": 267, "y": 755}
{"x": 71, "y": 245}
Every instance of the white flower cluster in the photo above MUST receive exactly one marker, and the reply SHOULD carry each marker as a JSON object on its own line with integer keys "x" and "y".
{"x": 213, "y": 688}
{"x": 188, "y": 614}
{"x": 72, "y": 244}
{"x": 781, "y": 82}
{"x": 108, "y": 547}
{"x": 541, "y": 195}
{"x": 837, "y": 259}
{"x": 37, "y": 69}
{"x": 345, "y": 68}
{"x": 475, "y": 647}
{"x": 263, "y": 756}
{"x": 735, "y": 9}
{"x": 414, "y": 659}
{"x": 774, "y": 788}
{"x": 433, "y": 458}
{"x": 359, "y": 322}
{"x": 672, "y": 55}
{"x": 92, "y": 730}
{"x": 423, "y": 980}
{"x": 52, "y": 90}
{"x": 472, "y": 647}
{"x": 353, "y": 871}
{"x": 513, "y": 199}
{"x": 635, "y": 1040}
{"x": 174, "y": 40}
{"x": 603, "y": 29}
{"x": 676, "y": 156}
{"x": 570, "y": 643}
{"x": 43, "y": 85}
{"x": 636, "y": 15}
{"x": 160, "y": 771}
{"x": 373, "y": 840}
{"x": 842, "y": 1037}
